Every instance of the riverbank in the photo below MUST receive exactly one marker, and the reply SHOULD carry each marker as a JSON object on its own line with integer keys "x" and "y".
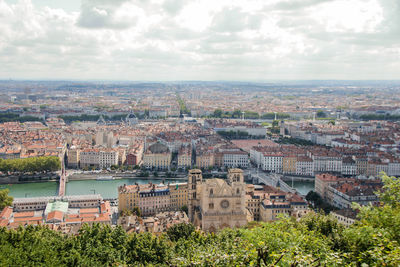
{"x": 117, "y": 176}
{"x": 31, "y": 178}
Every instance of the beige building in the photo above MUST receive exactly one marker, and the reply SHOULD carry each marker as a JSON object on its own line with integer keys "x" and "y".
{"x": 73, "y": 157}
{"x": 289, "y": 164}
{"x": 215, "y": 203}
{"x": 345, "y": 216}
{"x": 151, "y": 198}
{"x": 178, "y": 195}
{"x": 267, "y": 203}
{"x": 98, "y": 158}
{"x": 157, "y": 156}
{"x": 281, "y": 203}
{"x": 184, "y": 158}
{"x": 322, "y": 182}
{"x": 205, "y": 160}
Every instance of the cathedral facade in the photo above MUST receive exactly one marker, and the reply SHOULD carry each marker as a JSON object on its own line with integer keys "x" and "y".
{"x": 217, "y": 203}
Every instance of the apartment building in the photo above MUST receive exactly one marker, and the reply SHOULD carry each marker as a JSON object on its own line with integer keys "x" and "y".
{"x": 235, "y": 159}
{"x": 184, "y": 157}
{"x": 98, "y": 158}
{"x": 304, "y": 166}
{"x": 151, "y": 198}
{"x": 73, "y": 157}
{"x": 349, "y": 167}
{"x": 326, "y": 162}
{"x": 344, "y": 193}
{"x": 272, "y": 162}
{"x": 157, "y": 156}
{"x": 275, "y": 204}
{"x": 204, "y": 159}
{"x": 289, "y": 164}
{"x": 322, "y": 182}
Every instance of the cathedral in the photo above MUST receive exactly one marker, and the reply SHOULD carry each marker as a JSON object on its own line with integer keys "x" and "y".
{"x": 217, "y": 203}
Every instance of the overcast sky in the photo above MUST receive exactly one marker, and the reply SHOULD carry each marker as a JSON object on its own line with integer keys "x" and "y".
{"x": 200, "y": 40}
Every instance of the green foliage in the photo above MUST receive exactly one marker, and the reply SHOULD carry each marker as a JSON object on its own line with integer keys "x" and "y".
{"x": 6, "y": 117}
{"x": 271, "y": 116}
{"x": 217, "y": 113}
{"x": 136, "y": 211}
{"x": 386, "y": 117}
{"x": 314, "y": 240}
{"x": 182, "y": 106}
{"x": 34, "y": 164}
{"x": 181, "y": 230}
{"x": 236, "y": 134}
{"x": 294, "y": 141}
{"x": 184, "y": 208}
{"x": 321, "y": 114}
{"x": 5, "y": 199}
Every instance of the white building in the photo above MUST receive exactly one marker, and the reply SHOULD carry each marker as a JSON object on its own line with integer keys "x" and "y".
{"x": 394, "y": 169}
{"x": 272, "y": 162}
{"x": 304, "y": 166}
{"x": 236, "y": 159}
{"x": 349, "y": 167}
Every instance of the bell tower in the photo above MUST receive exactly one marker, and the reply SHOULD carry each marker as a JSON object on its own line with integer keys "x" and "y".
{"x": 235, "y": 176}
{"x": 194, "y": 179}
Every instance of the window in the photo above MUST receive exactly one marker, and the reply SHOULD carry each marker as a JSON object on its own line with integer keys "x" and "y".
{"x": 211, "y": 206}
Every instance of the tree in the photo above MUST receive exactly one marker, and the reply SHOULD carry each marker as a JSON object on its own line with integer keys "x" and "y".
{"x": 321, "y": 114}
{"x": 180, "y": 230}
{"x": 184, "y": 208}
{"x": 237, "y": 113}
{"x": 5, "y": 199}
{"x": 137, "y": 212}
{"x": 217, "y": 113}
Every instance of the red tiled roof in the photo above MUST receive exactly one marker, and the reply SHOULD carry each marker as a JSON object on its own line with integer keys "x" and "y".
{"x": 55, "y": 215}
{"x": 24, "y": 214}
{"x": 6, "y": 213}
{"x": 89, "y": 210}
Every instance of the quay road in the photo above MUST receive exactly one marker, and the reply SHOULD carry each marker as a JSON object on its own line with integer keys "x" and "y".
{"x": 270, "y": 179}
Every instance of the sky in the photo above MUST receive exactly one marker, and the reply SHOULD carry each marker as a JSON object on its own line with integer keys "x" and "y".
{"x": 163, "y": 40}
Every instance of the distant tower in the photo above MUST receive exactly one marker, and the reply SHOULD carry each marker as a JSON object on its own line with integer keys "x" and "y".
{"x": 101, "y": 120}
{"x": 275, "y": 115}
{"x": 282, "y": 128}
{"x": 182, "y": 118}
{"x": 243, "y": 115}
{"x": 195, "y": 178}
{"x": 314, "y": 114}
{"x": 131, "y": 119}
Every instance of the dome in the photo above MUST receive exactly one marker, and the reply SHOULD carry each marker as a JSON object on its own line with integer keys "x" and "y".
{"x": 132, "y": 116}
{"x": 158, "y": 148}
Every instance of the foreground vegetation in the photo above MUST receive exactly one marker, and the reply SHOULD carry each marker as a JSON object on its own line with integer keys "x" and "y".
{"x": 316, "y": 240}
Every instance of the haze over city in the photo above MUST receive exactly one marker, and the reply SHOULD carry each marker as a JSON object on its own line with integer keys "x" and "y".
{"x": 200, "y": 40}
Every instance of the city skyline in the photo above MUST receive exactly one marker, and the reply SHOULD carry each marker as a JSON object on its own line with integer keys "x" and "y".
{"x": 199, "y": 40}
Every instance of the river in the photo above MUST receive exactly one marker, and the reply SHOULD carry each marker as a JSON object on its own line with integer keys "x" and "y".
{"x": 108, "y": 189}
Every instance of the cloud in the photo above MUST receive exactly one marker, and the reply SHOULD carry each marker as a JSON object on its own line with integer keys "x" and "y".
{"x": 202, "y": 39}
{"x": 99, "y": 14}
{"x": 173, "y": 6}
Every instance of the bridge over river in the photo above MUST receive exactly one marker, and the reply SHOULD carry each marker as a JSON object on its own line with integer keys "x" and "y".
{"x": 271, "y": 179}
